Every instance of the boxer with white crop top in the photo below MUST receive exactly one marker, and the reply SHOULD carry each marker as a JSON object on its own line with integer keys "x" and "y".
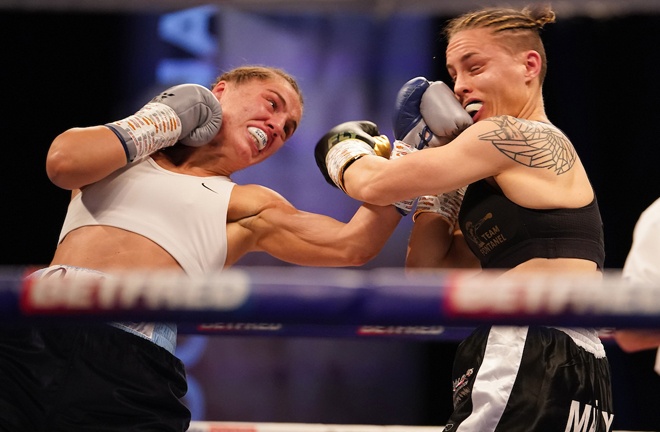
{"x": 154, "y": 191}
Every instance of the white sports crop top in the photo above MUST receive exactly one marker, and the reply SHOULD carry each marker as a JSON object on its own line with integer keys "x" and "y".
{"x": 186, "y": 215}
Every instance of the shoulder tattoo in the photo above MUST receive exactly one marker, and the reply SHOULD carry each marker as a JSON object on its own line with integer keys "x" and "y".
{"x": 533, "y": 144}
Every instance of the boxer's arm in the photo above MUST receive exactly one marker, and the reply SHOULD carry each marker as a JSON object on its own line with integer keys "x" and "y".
{"x": 466, "y": 159}
{"x": 642, "y": 267}
{"x": 348, "y": 142}
{"x": 81, "y": 156}
{"x": 633, "y": 340}
{"x": 188, "y": 113}
{"x": 305, "y": 238}
{"x": 432, "y": 245}
{"x": 426, "y": 114}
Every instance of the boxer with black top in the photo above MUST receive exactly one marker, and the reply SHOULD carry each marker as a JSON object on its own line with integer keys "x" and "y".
{"x": 504, "y": 190}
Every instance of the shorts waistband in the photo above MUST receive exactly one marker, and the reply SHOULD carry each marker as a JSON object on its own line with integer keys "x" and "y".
{"x": 162, "y": 334}
{"x": 585, "y": 338}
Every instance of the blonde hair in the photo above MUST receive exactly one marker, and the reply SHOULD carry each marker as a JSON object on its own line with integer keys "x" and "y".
{"x": 521, "y": 28}
{"x": 245, "y": 74}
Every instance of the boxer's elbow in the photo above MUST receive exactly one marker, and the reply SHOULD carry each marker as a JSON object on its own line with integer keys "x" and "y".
{"x": 359, "y": 253}
{"x": 373, "y": 193}
{"x": 60, "y": 165}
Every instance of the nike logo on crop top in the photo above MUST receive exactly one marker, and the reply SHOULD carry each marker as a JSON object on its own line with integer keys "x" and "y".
{"x": 209, "y": 188}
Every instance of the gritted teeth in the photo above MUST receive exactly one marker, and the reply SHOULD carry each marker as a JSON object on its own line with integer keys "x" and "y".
{"x": 259, "y": 137}
{"x": 473, "y": 107}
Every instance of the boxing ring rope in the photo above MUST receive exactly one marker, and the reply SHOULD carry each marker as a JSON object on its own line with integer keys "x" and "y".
{"x": 198, "y": 426}
{"x": 298, "y": 301}
{"x": 202, "y": 426}
{"x": 313, "y": 301}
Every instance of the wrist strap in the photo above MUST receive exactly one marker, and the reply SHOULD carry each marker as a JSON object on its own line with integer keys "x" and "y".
{"x": 342, "y": 155}
{"x": 153, "y": 127}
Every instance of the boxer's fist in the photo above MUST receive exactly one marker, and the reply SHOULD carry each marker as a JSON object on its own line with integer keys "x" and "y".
{"x": 197, "y": 108}
{"x": 428, "y": 114}
{"x": 186, "y": 113}
{"x": 346, "y": 143}
{"x": 407, "y": 122}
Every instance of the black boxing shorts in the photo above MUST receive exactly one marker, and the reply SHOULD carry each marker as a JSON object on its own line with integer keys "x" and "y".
{"x": 81, "y": 378}
{"x": 530, "y": 379}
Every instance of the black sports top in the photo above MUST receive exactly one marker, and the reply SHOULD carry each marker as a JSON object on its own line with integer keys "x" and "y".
{"x": 503, "y": 234}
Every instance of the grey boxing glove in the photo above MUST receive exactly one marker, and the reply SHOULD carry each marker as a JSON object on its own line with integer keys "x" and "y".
{"x": 186, "y": 113}
{"x": 427, "y": 113}
{"x": 443, "y": 113}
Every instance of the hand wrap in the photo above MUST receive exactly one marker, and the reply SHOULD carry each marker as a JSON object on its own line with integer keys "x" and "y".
{"x": 342, "y": 155}
{"x": 446, "y": 205}
{"x": 188, "y": 113}
{"x": 346, "y": 143}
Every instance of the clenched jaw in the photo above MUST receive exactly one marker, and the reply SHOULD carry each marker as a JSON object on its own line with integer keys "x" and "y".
{"x": 260, "y": 137}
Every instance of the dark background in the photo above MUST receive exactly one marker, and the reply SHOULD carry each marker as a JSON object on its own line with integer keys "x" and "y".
{"x": 61, "y": 70}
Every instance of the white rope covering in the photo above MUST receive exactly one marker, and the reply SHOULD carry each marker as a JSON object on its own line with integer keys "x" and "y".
{"x": 205, "y": 426}
{"x": 202, "y": 426}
